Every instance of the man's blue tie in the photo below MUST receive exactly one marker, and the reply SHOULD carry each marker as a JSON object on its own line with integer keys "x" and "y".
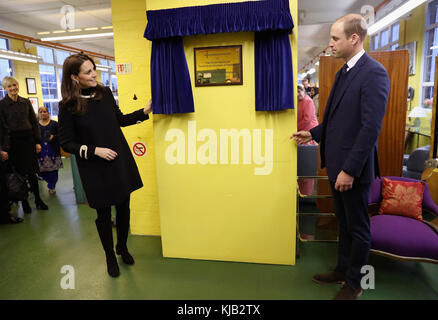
{"x": 344, "y": 69}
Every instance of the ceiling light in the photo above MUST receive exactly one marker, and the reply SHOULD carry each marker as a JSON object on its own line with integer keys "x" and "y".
{"x": 74, "y": 30}
{"x": 44, "y": 32}
{"x": 13, "y": 55}
{"x": 59, "y": 31}
{"x": 79, "y": 36}
{"x": 394, "y": 15}
{"x": 106, "y": 27}
{"x": 434, "y": 47}
{"x": 311, "y": 71}
{"x": 104, "y": 67}
{"x": 91, "y": 29}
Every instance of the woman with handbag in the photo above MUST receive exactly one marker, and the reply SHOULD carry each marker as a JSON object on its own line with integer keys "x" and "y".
{"x": 89, "y": 127}
{"x": 50, "y": 155}
{"x": 5, "y": 216}
{"x": 24, "y": 138}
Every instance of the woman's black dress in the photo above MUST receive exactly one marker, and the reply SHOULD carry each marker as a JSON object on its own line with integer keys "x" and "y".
{"x": 105, "y": 183}
{"x": 24, "y": 134}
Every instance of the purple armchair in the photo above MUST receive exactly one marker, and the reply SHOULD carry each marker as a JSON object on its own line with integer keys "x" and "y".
{"x": 401, "y": 237}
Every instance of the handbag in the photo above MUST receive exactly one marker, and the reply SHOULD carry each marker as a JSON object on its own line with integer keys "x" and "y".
{"x": 16, "y": 185}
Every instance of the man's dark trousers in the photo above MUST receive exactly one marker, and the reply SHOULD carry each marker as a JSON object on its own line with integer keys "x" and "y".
{"x": 351, "y": 208}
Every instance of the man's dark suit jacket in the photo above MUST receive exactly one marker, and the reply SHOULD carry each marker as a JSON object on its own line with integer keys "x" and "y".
{"x": 352, "y": 121}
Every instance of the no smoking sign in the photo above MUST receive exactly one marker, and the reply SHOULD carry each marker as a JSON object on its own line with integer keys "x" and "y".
{"x": 139, "y": 149}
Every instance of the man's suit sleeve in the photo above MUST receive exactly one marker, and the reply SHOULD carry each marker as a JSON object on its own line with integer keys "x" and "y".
{"x": 374, "y": 96}
{"x": 316, "y": 133}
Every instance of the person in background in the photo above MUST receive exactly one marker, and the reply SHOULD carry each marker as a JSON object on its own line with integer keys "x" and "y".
{"x": 306, "y": 85}
{"x": 314, "y": 94}
{"x": 50, "y": 156}
{"x": 306, "y": 112}
{"x": 5, "y": 216}
{"x": 89, "y": 128}
{"x": 306, "y": 121}
{"x": 24, "y": 138}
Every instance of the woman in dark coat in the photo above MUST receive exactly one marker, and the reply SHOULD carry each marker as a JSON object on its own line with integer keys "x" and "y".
{"x": 24, "y": 138}
{"x": 89, "y": 127}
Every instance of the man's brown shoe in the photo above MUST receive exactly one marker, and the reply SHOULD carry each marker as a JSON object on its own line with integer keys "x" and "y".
{"x": 348, "y": 293}
{"x": 331, "y": 277}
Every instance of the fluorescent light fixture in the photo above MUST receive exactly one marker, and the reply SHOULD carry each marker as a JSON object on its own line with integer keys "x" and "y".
{"x": 434, "y": 47}
{"x": 13, "y": 55}
{"x": 79, "y": 36}
{"x": 101, "y": 66}
{"x": 44, "y": 32}
{"x": 311, "y": 71}
{"x": 91, "y": 29}
{"x": 74, "y": 30}
{"x": 394, "y": 15}
{"x": 107, "y": 27}
{"x": 59, "y": 31}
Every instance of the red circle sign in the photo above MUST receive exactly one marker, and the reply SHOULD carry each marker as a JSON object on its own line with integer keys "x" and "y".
{"x": 139, "y": 149}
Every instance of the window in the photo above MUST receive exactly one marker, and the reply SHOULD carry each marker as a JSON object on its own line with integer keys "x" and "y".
{"x": 51, "y": 76}
{"x": 109, "y": 79}
{"x": 5, "y": 66}
{"x": 386, "y": 39}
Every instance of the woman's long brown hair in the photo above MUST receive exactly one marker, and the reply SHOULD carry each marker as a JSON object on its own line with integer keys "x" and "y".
{"x": 70, "y": 90}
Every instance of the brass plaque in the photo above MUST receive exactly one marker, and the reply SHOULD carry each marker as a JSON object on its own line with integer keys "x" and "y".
{"x": 218, "y": 66}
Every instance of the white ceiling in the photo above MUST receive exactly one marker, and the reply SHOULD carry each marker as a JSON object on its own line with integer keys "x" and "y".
{"x": 315, "y": 19}
{"x": 30, "y": 16}
{"x": 27, "y": 17}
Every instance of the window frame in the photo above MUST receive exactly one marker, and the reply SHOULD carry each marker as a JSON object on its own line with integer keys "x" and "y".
{"x": 390, "y": 44}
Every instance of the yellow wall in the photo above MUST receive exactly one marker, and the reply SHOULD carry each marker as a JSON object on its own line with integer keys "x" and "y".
{"x": 129, "y": 22}
{"x": 226, "y": 211}
{"x": 23, "y": 70}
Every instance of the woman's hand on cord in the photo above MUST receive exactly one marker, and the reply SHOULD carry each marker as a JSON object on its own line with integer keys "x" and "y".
{"x": 148, "y": 108}
{"x": 105, "y": 153}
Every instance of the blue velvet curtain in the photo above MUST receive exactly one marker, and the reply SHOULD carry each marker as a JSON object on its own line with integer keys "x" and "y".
{"x": 273, "y": 71}
{"x": 170, "y": 78}
{"x": 270, "y": 19}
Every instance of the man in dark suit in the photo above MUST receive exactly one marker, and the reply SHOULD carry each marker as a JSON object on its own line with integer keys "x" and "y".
{"x": 348, "y": 145}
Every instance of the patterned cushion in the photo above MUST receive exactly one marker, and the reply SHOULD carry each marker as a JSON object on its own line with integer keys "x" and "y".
{"x": 403, "y": 236}
{"x": 402, "y": 198}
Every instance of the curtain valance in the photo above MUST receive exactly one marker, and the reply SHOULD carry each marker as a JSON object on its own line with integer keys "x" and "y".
{"x": 219, "y": 18}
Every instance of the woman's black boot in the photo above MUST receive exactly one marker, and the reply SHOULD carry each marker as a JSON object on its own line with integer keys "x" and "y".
{"x": 105, "y": 231}
{"x": 122, "y": 227}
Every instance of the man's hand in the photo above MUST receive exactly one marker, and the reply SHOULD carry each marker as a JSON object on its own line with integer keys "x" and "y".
{"x": 38, "y": 148}
{"x": 344, "y": 182}
{"x": 301, "y": 137}
{"x": 105, "y": 153}
{"x": 148, "y": 108}
{"x": 4, "y": 155}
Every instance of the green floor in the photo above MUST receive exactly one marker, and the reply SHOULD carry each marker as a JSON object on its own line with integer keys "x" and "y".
{"x": 32, "y": 254}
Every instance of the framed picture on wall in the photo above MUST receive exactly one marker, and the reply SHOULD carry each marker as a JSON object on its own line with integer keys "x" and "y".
{"x": 31, "y": 85}
{"x": 34, "y": 101}
{"x": 412, "y": 48}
